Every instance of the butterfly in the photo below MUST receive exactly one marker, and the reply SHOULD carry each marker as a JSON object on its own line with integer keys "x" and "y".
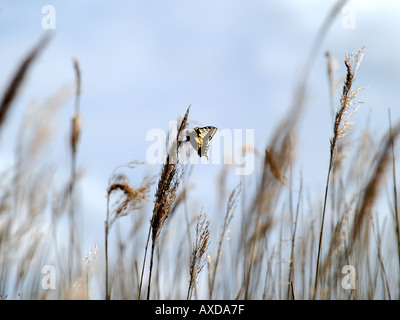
{"x": 199, "y": 138}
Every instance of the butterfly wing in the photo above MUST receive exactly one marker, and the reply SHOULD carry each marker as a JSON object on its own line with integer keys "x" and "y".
{"x": 205, "y": 134}
{"x": 193, "y": 137}
{"x": 210, "y": 133}
{"x": 199, "y": 138}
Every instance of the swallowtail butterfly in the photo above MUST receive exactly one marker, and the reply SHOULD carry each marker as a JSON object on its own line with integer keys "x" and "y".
{"x": 199, "y": 138}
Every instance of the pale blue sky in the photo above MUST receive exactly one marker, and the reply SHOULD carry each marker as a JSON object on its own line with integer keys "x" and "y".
{"x": 235, "y": 62}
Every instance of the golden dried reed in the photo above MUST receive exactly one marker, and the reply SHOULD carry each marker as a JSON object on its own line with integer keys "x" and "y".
{"x": 18, "y": 78}
{"x": 166, "y": 193}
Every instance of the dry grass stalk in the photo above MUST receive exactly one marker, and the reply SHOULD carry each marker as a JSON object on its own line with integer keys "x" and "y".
{"x": 200, "y": 246}
{"x": 230, "y": 210}
{"x": 78, "y": 81}
{"x": 380, "y": 258}
{"x": 291, "y": 265}
{"x": 341, "y": 126}
{"x": 337, "y": 242}
{"x": 24, "y": 195}
{"x": 74, "y": 139}
{"x": 19, "y": 76}
{"x": 395, "y": 199}
{"x": 278, "y": 158}
{"x": 76, "y": 120}
{"x": 166, "y": 193}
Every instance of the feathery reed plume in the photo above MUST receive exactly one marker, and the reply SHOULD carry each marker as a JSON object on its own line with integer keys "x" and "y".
{"x": 90, "y": 257}
{"x": 132, "y": 199}
{"x": 341, "y": 126}
{"x": 19, "y": 77}
{"x": 166, "y": 193}
{"x": 230, "y": 210}
{"x": 77, "y": 290}
{"x": 200, "y": 246}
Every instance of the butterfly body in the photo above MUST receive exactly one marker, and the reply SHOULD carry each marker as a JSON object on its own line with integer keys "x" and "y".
{"x": 199, "y": 138}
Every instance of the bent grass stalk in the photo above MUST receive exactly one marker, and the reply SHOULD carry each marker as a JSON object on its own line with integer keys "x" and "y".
{"x": 16, "y": 82}
{"x": 132, "y": 199}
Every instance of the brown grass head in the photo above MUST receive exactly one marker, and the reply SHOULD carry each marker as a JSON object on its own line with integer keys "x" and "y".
{"x": 76, "y": 120}
{"x": 200, "y": 247}
{"x": 132, "y": 198}
{"x": 168, "y": 184}
{"x": 78, "y": 77}
{"x": 75, "y": 132}
{"x": 274, "y": 167}
{"x": 347, "y": 108}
